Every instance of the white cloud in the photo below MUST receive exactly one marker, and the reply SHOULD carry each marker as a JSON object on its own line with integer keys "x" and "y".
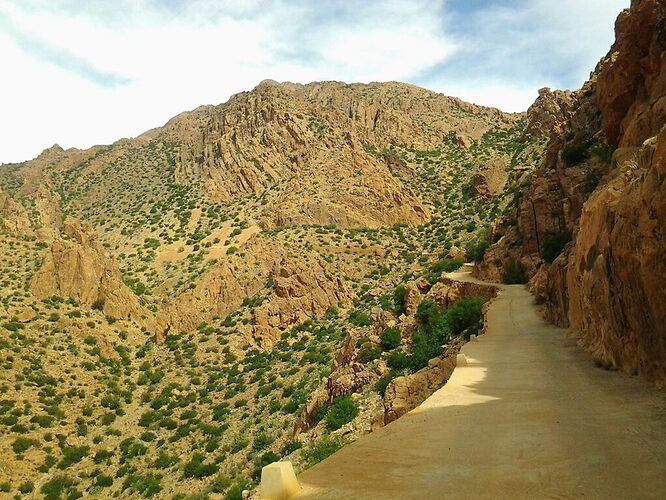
{"x": 84, "y": 75}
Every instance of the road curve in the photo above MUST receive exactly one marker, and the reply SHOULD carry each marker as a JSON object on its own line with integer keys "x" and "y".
{"x": 530, "y": 417}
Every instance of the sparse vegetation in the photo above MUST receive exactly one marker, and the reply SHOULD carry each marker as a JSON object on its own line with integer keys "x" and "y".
{"x": 553, "y": 246}
{"x": 99, "y": 403}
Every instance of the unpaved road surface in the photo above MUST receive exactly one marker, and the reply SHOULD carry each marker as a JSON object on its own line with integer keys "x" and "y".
{"x": 530, "y": 417}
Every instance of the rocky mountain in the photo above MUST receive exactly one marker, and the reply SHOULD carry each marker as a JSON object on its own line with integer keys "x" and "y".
{"x": 187, "y": 305}
{"x": 264, "y": 278}
{"x": 590, "y": 229}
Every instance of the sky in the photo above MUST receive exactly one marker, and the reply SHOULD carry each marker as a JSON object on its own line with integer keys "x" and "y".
{"x": 85, "y": 72}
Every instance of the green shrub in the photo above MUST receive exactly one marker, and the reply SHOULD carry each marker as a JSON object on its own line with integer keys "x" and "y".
{"x": 5, "y": 487}
{"x": 56, "y": 487}
{"x": 343, "y": 410}
{"x": 384, "y": 381}
{"x": 591, "y": 181}
{"x": 164, "y": 461}
{"x": 434, "y": 329}
{"x": 390, "y": 338}
{"x": 397, "y": 360}
{"x": 26, "y": 487}
{"x": 42, "y": 420}
{"x": 464, "y": 314}
{"x": 554, "y": 245}
{"x": 196, "y": 468}
{"x": 147, "y": 485}
{"x": 359, "y": 318}
{"x": 573, "y": 154}
{"x": 514, "y": 273}
{"x": 72, "y": 455}
{"x": 321, "y": 449}
{"x": 235, "y": 492}
{"x": 103, "y": 481}
{"x": 476, "y": 248}
{"x": 22, "y": 444}
{"x": 290, "y": 447}
{"x": 369, "y": 352}
{"x": 13, "y": 326}
{"x": 442, "y": 266}
{"x": 102, "y": 455}
{"x": 602, "y": 151}
{"x": 399, "y": 300}
{"x": 220, "y": 483}
{"x": 98, "y": 305}
{"x": 261, "y": 441}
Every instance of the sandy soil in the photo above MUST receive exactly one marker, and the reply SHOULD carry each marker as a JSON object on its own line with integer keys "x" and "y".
{"x": 530, "y": 417}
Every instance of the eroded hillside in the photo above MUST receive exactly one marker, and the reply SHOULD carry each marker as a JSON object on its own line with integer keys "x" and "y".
{"x": 253, "y": 280}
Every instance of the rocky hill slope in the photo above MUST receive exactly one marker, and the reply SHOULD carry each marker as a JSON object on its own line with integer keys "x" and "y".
{"x": 590, "y": 230}
{"x": 242, "y": 284}
{"x": 264, "y": 278}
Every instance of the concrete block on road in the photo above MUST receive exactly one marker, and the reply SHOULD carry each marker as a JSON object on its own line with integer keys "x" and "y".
{"x": 278, "y": 481}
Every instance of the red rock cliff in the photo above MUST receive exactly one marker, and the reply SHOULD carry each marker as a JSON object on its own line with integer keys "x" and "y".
{"x": 603, "y": 180}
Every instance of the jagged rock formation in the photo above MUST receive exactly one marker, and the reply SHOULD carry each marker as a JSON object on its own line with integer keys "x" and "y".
{"x": 490, "y": 179}
{"x": 76, "y": 267}
{"x": 309, "y": 140}
{"x": 607, "y": 285}
{"x": 549, "y": 108}
{"x": 13, "y": 215}
{"x": 297, "y": 286}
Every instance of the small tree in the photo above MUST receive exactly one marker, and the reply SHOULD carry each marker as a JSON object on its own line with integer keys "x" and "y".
{"x": 390, "y": 338}
{"x": 343, "y": 410}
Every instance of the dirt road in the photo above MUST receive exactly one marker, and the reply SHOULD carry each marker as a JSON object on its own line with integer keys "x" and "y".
{"x": 530, "y": 417}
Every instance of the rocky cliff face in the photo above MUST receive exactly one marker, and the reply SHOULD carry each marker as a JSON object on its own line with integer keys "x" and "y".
{"x": 616, "y": 269}
{"x": 603, "y": 181}
{"x": 310, "y": 143}
{"x": 290, "y": 285}
{"x": 13, "y": 215}
{"x": 77, "y": 267}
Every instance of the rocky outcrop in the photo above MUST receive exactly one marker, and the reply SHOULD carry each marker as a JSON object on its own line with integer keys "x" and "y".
{"x": 318, "y": 146}
{"x": 632, "y": 77}
{"x": 412, "y": 297}
{"x": 406, "y": 393}
{"x": 549, "y": 108}
{"x": 13, "y": 216}
{"x": 76, "y": 266}
{"x": 448, "y": 290}
{"x": 295, "y": 286}
{"x": 607, "y": 285}
{"x": 615, "y": 280}
{"x": 490, "y": 178}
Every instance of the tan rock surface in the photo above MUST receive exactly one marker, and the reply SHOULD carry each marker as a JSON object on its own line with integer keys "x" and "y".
{"x": 13, "y": 216}
{"x": 77, "y": 267}
{"x": 608, "y": 285}
{"x": 490, "y": 178}
{"x": 549, "y": 108}
{"x": 617, "y": 266}
{"x": 405, "y": 393}
{"x": 303, "y": 287}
